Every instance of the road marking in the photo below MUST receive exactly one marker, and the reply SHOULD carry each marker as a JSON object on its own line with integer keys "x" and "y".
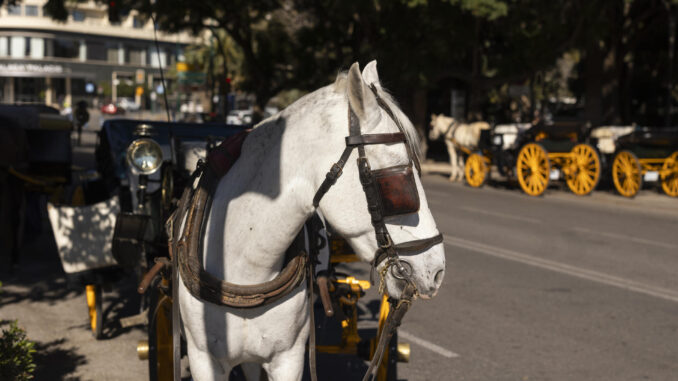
{"x": 502, "y": 215}
{"x": 426, "y": 344}
{"x": 628, "y": 238}
{"x": 591, "y": 275}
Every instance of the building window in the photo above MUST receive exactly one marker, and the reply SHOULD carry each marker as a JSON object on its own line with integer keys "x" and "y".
{"x": 136, "y": 22}
{"x": 137, "y": 57}
{"x": 4, "y": 47}
{"x": 31, "y": 10}
{"x": 14, "y": 10}
{"x": 64, "y": 48}
{"x": 112, "y": 54}
{"x": 96, "y": 51}
{"x": 37, "y": 48}
{"x": 155, "y": 60}
{"x": 78, "y": 16}
{"x": 18, "y": 47}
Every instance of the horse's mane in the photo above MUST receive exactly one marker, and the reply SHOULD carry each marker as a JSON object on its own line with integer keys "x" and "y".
{"x": 413, "y": 138}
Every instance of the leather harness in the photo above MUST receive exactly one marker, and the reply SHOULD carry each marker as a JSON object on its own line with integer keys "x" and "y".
{"x": 188, "y": 246}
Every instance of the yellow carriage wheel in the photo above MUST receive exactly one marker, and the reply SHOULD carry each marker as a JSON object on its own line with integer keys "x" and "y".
{"x": 584, "y": 173}
{"x": 533, "y": 169}
{"x": 161, "y": 351}
{"x": 93, "y": 294}
{"x": 475, "y": 170}
{"x": 626, "y": 174}
{"x": 669, "y": 175}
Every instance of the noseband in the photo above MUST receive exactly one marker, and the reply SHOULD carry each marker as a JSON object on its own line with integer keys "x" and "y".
{"x": 390, "y": 192}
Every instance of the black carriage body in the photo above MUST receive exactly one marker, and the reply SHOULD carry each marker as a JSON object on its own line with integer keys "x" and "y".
{"x": 139, "y": 235}
{"x": 650, "y": 142}
{"x": 558, "y": 136}
{"x": 44, "y": 139}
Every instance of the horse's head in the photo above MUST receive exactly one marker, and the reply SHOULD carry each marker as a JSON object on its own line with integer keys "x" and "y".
{"x": 395, "y": 193}
{"x": 439, "y": 126}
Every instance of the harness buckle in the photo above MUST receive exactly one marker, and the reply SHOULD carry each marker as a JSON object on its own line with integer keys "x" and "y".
{"x": 335, "y": 172}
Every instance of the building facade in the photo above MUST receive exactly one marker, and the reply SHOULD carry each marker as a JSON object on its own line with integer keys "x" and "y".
{"x": 85, "y": 58}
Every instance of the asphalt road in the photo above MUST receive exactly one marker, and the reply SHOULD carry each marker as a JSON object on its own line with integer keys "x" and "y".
{"x": 552, "y": 288}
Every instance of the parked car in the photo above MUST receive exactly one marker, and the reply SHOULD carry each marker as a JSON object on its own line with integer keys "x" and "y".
{"x": 239, "y": 117}
{"x": 112, "y": 109}
{"x": 128, "y": 104}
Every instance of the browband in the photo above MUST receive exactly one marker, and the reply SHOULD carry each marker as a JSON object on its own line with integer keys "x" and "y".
{"x": 358, "y": 140}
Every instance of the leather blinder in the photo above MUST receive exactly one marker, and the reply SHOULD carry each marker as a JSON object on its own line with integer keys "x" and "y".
{"x": 398, "y": 190}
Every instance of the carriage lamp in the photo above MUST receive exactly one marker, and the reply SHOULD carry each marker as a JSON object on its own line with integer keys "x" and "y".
{"x": 144, "y": 156}
{"x": 497, "y": 140}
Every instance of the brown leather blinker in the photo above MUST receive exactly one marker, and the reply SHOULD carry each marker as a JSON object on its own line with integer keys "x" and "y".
{"x": 398, "y": 190}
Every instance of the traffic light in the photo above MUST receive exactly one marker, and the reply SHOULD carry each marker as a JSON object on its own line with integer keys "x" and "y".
{"x": 114, "y": 12}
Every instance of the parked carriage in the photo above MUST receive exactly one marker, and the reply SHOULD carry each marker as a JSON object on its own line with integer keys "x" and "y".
{"x": 144, "y": 166}
{"x": 35, "y": 158}
{"x": 648, "y": 154}
{"x": 542, "y": 153}
{"x": 117, "y": 228}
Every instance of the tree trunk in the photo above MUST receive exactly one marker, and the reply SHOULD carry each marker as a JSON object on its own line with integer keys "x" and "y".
{"x": 593, "y": 67}
{"x": 473, "y": 91}
{"x": 419, "y": 106}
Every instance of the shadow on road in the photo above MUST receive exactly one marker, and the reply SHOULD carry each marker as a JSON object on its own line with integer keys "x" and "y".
{"x": 55, "y": 360}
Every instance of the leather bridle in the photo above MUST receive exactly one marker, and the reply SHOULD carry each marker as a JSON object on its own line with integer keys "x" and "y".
{"x": 389, "y": 192}
{"x": 388, "y": 251}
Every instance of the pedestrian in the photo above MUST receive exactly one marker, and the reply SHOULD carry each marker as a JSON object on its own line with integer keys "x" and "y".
{"x": 81, "y": 117}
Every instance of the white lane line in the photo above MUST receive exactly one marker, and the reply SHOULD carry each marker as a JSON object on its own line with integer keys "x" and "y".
{"x": 426, "y": 344}
{"x": 502, "y": 215}
{"x": 591, "y": 275}
{"x": 628, "y": 238}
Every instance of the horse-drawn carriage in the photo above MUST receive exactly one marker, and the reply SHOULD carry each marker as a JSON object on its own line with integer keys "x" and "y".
{"x": 117, "y": 228}
{"x": 648, "y": 154}
{"x": 542, "y": 153}
{"x": 35, "y": 159}
{"x": 232, "y": 275}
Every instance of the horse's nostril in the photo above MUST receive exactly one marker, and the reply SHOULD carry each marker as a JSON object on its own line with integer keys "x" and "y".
{"x": 439, "y": 277}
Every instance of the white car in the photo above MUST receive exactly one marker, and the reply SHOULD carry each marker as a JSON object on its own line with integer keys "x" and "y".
{"x": 128, "y": 104}
{"x": 239, "y": 117}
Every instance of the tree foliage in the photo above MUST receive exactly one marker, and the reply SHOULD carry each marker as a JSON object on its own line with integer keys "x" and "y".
{"x": 481, "y": 45}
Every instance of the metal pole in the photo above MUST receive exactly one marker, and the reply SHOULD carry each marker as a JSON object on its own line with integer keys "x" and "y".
{"x": 669, "y": 85}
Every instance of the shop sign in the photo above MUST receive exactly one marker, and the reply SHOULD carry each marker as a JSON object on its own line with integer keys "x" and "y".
{"x": 21, "y": 68}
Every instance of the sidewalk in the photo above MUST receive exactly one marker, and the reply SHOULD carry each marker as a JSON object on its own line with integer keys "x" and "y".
{"x": 54, "y": 315}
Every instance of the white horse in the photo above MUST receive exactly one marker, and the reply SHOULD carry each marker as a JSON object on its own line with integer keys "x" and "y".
{"x": 262, "y": 203}
{"x": 456, "y": 134}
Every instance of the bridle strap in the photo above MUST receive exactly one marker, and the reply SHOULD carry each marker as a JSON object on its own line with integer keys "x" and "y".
{"x": 409, "y": 247}
{"x": 390, "y": 113}
{"x": 332, "y": 175}
{"x": 452, "y": 125}
{"x": 358, "y": 140}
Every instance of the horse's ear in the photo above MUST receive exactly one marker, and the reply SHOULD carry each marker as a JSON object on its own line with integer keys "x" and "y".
{"x": 370, "y": 74}
{"x": 362, "y": 100}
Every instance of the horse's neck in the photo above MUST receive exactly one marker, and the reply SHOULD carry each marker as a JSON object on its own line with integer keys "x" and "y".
{"x": 262, "y": 202}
